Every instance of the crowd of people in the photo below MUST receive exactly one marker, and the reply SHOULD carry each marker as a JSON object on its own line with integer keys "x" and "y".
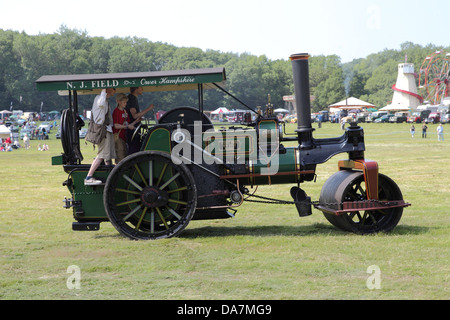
{"x": 7, "y": 145}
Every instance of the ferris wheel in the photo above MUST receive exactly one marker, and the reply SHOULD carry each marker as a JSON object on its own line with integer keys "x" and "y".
{"x": 434, "y": 77}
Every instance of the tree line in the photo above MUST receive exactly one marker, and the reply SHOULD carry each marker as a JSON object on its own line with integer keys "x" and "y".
{"x": 25, "y": 58}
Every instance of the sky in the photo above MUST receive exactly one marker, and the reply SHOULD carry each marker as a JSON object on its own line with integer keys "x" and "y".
{"x": 350, "y": 29}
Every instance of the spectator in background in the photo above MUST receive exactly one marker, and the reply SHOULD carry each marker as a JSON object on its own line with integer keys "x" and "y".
{"x": 26, "y": 142}
{"x": 424, "y": 131}
{"x": 440, "y": 132}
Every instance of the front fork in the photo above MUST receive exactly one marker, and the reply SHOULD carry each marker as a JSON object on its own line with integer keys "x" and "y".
{"x": 370, "y": 170}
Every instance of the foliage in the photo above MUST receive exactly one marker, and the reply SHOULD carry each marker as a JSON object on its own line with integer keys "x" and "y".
{"x": 25, "y": 58}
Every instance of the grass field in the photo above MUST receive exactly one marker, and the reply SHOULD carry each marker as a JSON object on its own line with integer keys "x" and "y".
{"x": 265, "y": 252}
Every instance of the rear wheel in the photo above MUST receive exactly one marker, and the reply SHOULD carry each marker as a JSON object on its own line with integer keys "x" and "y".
{"x": 348, "y": 186}
{"x": 147, "y": 196}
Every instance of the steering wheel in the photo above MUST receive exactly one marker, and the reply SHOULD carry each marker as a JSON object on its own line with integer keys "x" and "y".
{"x": 138, "y": 130}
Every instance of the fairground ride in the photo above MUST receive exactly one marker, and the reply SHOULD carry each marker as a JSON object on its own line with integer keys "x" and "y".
{"x": 434, "y": 77}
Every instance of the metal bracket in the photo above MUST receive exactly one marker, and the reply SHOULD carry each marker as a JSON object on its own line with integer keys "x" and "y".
{"x": 370, "y": 170}
{"x": 69, "y": 203}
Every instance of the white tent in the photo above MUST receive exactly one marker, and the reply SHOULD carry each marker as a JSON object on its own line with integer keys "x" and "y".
{"x": 220, "y": 110}
{"x": 4, "y": 132}
{"x": 281, "y": 110}
{"x": 5, "y": 113}
{"x": 352, "y": 103}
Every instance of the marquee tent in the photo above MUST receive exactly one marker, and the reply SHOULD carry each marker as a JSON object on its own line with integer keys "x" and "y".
{"x": 352, "y": 103}
{"x": 220, "y": 110}
{"x": 4, "y": 132}
{"x": 5, "y": 113}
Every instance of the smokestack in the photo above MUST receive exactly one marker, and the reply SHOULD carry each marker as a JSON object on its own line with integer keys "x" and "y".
{"x": 300, "y": 70}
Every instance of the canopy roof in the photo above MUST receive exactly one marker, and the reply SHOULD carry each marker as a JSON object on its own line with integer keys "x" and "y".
{"x": 220, "y": 110}
{"x": 281, "y": 110}
{"x": 150, "y": 81}
{"x": 4, "y": 131}
{"x": 351, "y": 103}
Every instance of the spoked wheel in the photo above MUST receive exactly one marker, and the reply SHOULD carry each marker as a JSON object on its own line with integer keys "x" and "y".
{"x": 347, "y": 186}
{"x": 147, "y": 196}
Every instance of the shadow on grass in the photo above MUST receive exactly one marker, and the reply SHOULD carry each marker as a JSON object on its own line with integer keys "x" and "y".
{"x": 269, "y": 231}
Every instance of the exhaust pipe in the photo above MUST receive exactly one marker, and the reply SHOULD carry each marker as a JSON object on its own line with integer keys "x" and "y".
{"x": 300, "y": 70}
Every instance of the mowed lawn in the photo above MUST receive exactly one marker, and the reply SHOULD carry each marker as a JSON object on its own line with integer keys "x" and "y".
{"x": 265, "y": 252}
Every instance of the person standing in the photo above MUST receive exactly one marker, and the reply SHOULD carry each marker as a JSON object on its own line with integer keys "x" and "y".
{"x": 440, "y": 132}
{"x": 134, "y": 114}
{"x": 105, "y": 149}
{"x": 26, "y": 142}
{"x": 121, "y": 125}
{"x": 412, "y": 130}
{"x": 424, "y": 130}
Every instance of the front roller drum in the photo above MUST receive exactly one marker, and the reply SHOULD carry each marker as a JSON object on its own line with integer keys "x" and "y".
{"x": 148, "y": 197}
{"x": 348, "y": 186}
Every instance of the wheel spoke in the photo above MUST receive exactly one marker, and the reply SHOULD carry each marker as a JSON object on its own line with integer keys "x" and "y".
{"x": 364, "y": 217}
{"x": 178, "y": 190}
{"x": 131, "y": 213}
{"x": 150, "y": 173}
{"x": 141, "y": 175}
{"x": 128, "y": 191}
{"x": 173, "y": 212}
{"x": 152, "y": 221}
{"x": 372, "y": 217}
{"x": 162, "y": 173}
{"x": 141, "y": 218}
{"x": 178, "y": 202}
{"x": 169, "y": 181}
{"x": 132, "y": 182}
{"x": 363, "y": 193}
{"x": 162, "y": 218}
{"x": 128, "y": 202}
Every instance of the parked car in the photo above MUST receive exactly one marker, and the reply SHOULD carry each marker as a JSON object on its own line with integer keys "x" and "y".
{"x": 399, "y": 117}
{"x": 375, "y": 115}
{"x": 46, "y": 126}
{"x": 83, "y": 133}
{"x": 434, "y": 117}
{"x": 445, "y": 118}
{"x": 384, "y": 118}
{"x": 419, "y": 117}
{"x": 361, "y": 117}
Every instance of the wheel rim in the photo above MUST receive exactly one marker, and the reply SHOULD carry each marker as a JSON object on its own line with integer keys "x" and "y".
{"x": 349, "y": 186}
{"x": 371, "y": 221}
{"x": 148, "y": 197}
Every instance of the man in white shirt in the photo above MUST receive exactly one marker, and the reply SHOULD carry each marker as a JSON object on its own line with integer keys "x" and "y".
{"x": 106, "y": 151}
{"x": 440, "y": 132}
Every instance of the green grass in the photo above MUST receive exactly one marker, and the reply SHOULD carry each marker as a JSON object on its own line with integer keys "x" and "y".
{"x": 265, "y": 252}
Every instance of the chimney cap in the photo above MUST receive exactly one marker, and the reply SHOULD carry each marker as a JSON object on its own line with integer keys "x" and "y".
{"x": 299, "y": 56}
